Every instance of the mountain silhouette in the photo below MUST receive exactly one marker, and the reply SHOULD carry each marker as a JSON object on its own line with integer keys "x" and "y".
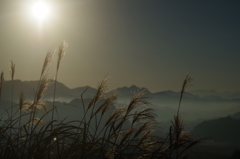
{"x": 225, "y": 129}
{"x": 165, "y": 103}
{"x": 225, "y": 95}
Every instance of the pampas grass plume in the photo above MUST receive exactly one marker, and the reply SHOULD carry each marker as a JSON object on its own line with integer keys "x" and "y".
{"x": 61, "y": 53}
{"x": 12, "y": 69}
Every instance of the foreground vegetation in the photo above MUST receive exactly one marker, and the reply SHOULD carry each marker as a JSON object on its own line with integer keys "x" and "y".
{"x": 129, "y": 132}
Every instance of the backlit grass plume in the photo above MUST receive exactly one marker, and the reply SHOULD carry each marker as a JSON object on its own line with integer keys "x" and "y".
{"x": 44, "y": 83}
{"x": 12, "y": 70}
{"x": 102, "y": 87}
{"x": 30, "y": 106}
{"x": 48, "y": 60}
{"x": 61, "y": 52}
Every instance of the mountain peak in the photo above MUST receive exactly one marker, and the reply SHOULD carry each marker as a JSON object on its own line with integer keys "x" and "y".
{"x": 130, "y": 90}
{"x": 133, "y": 86}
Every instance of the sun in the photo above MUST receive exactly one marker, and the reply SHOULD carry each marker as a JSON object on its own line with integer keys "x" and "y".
{"x": 40, "y": 10}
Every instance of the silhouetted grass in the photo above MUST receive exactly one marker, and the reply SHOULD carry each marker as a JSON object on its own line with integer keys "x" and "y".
{"x": 129, "y": 132}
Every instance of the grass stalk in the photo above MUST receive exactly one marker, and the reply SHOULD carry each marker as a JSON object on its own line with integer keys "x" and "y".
{"x": 1, "y": 85}
{"x": 61, "y": 54}
{"x": 12, "y": 73}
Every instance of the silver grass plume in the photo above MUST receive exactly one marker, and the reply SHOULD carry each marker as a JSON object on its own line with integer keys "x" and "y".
{"x": 144, "y": 114}
{"x": 145, "y": 127}
{"x": 48, "y": 60}
{"x": 61, "y": 52}
{"x": 110, "y": 101}
{"x": 31, "y": 106}
{"x": 117, "y": 114}
{"x": 44, "y": 83}
{"x": 102, "y": 88}
{"x": 137, "y": 100}
{"x": 12, "y": 69}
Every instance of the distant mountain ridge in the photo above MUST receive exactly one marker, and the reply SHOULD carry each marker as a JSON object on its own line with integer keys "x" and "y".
{"x": 63, "y": 92}
{"x": 165, "y": 102}
{"x": 214, "y": 93}
{"x": 225, "y": 129}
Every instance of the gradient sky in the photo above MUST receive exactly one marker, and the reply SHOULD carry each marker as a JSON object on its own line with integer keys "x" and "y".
{"x": 149, "y": 43}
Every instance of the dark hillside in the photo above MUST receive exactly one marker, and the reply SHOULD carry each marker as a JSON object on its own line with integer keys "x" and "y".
{"x": 224, "y": 129}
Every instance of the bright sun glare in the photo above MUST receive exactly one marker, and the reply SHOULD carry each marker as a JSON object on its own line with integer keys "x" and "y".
{"x": 40, "y": 10}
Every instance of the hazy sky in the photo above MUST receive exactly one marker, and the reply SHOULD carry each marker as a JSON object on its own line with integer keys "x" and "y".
{"x": 149, "y": 43}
